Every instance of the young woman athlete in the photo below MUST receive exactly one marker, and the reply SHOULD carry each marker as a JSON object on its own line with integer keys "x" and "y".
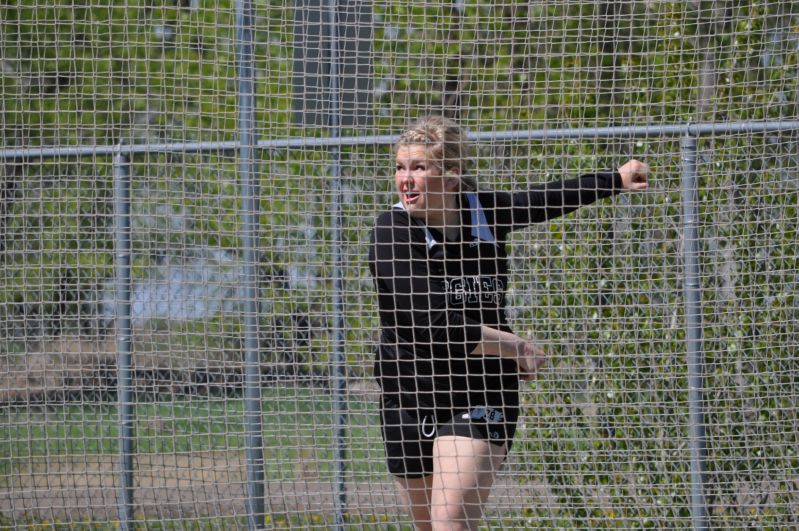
{"x": 448, "y": 363}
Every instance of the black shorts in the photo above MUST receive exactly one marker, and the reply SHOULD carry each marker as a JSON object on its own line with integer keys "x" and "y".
{"x": 408, "y": 433}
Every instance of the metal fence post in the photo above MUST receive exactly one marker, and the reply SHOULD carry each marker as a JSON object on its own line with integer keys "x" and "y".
{"x": 248, "y": 190}
{"x": 122, "y": 310}
{"x": 693, "y": 314}
{"x": 339, "y": 358}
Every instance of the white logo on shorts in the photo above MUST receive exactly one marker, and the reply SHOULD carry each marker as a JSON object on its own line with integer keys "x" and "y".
{"x": 488, "y": 413}
{"x": 432, "y": 427}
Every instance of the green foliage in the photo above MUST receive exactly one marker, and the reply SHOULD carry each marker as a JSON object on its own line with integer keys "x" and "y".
{"x": 56, "y": 250}
{"x": 603, "y": 291}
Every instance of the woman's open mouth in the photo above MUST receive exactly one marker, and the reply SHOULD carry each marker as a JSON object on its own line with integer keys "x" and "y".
{"x": 411, "y": 197}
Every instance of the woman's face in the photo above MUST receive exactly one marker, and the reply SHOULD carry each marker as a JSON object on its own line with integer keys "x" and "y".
{"x": 424, "y": 191}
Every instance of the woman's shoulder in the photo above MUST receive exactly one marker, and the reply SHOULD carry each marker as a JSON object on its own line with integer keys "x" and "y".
{"x": 493, "y": 199}
{"x": 396, "y": 226}
{"x": 393, "y": 217}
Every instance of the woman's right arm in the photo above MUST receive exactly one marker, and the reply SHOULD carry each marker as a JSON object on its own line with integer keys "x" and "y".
{"x": 528, "y": 356}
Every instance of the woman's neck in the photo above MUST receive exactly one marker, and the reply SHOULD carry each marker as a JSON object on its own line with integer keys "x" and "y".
{"x": 448, "y": 220}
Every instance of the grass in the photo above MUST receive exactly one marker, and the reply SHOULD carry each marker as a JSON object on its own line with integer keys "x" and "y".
{"x": 298, "y": 428}
{"x": 298, "y": 443}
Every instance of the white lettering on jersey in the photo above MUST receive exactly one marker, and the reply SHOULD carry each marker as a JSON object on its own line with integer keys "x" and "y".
{"x": 475, "y": 290}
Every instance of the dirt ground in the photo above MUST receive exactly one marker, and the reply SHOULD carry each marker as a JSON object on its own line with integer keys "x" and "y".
{"x": 83, "y": 488}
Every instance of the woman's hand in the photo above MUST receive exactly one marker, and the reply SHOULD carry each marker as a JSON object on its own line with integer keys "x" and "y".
{"x": 634, "y": 176}
{"x": 530, "y": 358}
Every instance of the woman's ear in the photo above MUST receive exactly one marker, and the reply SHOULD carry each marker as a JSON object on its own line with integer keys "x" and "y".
{"x": 453, "y": 178}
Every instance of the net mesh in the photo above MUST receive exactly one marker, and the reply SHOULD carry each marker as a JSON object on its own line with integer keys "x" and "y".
{"x": 603, "y": 437}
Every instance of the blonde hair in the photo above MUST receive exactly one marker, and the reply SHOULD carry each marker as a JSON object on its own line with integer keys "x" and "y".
{"x": 445, "y": 143}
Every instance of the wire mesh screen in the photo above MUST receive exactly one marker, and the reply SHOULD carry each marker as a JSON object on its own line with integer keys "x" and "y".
{"x": 155, "y": 373}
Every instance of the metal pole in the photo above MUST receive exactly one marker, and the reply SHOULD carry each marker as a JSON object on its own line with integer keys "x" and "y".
{"x": 122, "y": 311}
{"x": 693, "y": 315}
{"x": 248, "y": 189}
{"x": 642, "y": 131}
{"x": 339, "y": 380}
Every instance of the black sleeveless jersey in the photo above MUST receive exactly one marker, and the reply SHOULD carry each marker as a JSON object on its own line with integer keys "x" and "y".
{"x": 434, "y": 294}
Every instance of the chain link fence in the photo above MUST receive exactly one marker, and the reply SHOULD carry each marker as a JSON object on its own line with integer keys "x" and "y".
{"x": 187, "y": 322}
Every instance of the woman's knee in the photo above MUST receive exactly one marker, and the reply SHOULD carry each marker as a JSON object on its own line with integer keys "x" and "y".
{"x": 415, "y": 495}
{"x": 454, "y": 514}
{"x": 453, "y": 507}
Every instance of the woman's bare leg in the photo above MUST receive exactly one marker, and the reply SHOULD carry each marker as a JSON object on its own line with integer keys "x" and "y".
{"x": 463, "y": 473}
{"x": 415, "y": 493}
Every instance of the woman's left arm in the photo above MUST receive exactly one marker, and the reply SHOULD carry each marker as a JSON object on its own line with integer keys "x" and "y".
{"x": 558, "y": 198}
